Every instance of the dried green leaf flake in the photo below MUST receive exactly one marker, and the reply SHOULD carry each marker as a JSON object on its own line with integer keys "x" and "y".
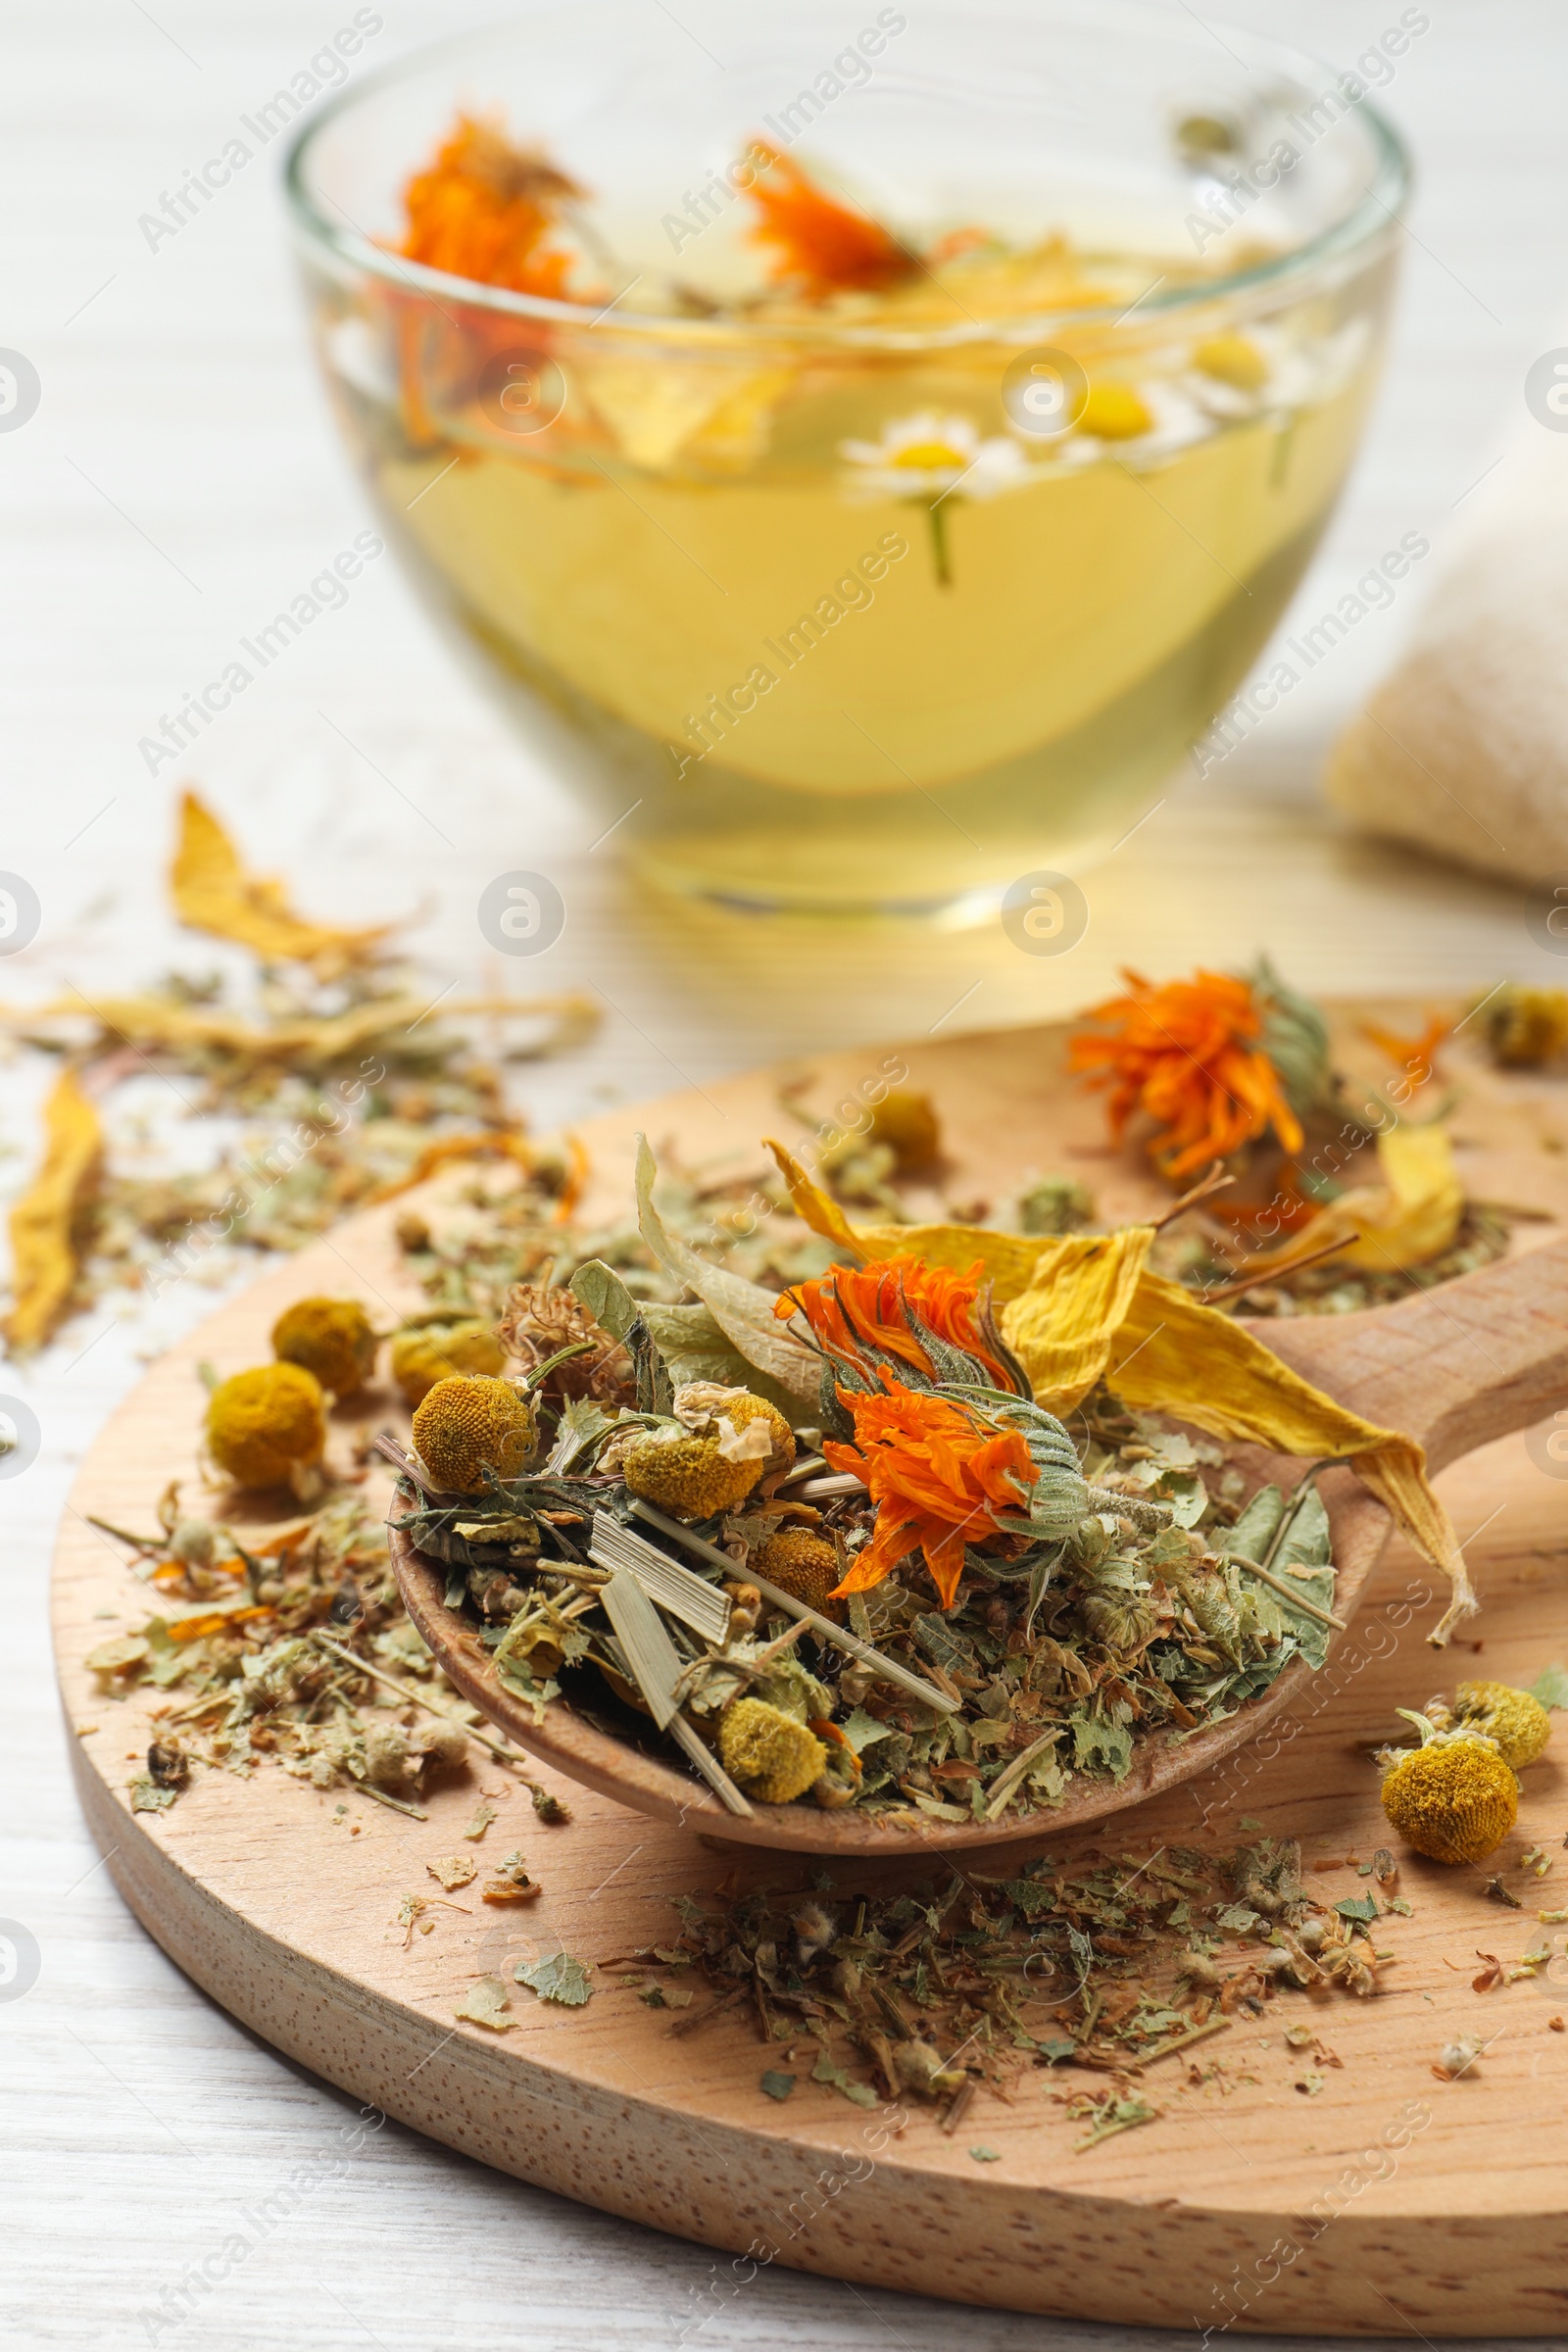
{"x": 556, "y": 1977}
{"x": 860, "y": 2094}
{"x": 777, "y": 2086}
{"x": 1550, "y": 1689}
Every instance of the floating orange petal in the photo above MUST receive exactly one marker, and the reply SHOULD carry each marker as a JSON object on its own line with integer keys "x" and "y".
{"x": 823, "y": 246}
{"x": 1417, "y": 1057}
{"x": 484, "y": 209}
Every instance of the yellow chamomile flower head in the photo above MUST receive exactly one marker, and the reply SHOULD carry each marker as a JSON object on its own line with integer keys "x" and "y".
{"x": 801, "y": 1563}
{"x": 906, "y": 1121}
{"x": 426, "y": 1352}
{"x": 709, "y": 1456}
{"x": 1519, "y": 1724}
{"x": 331, "y": 1338}
{"x": 268, "y": 1428}
{"x": 467, "y": 1425}
{"x": 1452, "y": 1799}
{"x": 1526, "y": 1027}
{"x": 767, "y": 1753}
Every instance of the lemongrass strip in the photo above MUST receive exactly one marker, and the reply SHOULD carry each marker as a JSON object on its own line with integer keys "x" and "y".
{"x": 691, "y": 1598}
{"x": 655, "y": 1668}
{"x": 823, "y": 1626}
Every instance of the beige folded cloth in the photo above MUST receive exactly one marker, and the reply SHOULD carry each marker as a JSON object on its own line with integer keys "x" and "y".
{"x": 1464, "y": 749}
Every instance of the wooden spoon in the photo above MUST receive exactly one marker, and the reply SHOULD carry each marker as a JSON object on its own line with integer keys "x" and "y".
{"x": 1455, "y": 1366}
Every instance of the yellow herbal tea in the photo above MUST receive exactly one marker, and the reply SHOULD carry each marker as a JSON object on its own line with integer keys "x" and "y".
{"x": 850, "y": 566}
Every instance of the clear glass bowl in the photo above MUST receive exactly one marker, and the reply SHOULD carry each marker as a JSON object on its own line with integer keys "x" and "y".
{"x": 863, "y": 606}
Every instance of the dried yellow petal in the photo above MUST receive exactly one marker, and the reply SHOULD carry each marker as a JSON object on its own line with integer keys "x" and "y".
{"x": 1416, "y": 1212}
{"x": 44, "y": 1222}
{"x": 1079, "y": 1309}
{"x": 212, "y": 891}
{"x": 1084, "y": 1290}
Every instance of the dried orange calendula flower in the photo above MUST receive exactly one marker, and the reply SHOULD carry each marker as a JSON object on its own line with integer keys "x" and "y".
{"x": 267, "y": 1427}
{"x": 1187, "y": 1055}
{"x": 820, "y": 244}
{"x": 485, "y": 208}
{"x": 465, "y": 1427}
{"x": 1078, "y": 1308}
{"x": 767, "y": 1753}
{"x": 1452, "y": 1799}
{"x": 333, "y": 1338}
{"x": 871, "y": 1312}
{"x": 940, "y": 1477}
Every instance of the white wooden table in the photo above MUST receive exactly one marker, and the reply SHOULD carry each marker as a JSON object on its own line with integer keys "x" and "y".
{"x": 179, "y": 480}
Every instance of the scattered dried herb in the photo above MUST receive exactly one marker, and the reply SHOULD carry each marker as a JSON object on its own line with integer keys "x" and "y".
{"x": 334, "y": 1083}
{"x": 945, "y": 1986}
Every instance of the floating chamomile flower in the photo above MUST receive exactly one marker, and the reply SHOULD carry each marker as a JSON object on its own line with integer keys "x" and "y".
{"x": 929, "y": 460}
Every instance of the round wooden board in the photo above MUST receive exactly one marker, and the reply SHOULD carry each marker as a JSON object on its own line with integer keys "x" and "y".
{"x": 1388, "y": 2202}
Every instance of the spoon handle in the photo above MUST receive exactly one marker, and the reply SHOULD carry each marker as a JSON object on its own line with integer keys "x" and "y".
{"x": 1455, "y": 1366}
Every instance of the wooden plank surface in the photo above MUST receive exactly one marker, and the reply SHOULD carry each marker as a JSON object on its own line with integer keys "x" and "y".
{"x": 179, "y": 402}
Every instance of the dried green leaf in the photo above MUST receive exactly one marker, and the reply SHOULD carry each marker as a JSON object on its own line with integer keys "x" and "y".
{"x": 695, "y": 1347}
{"x": 743, "y": 1311}
{"x": 1113, "y": 2115}
{"x": 1357, "y": 1906}
{"x": 860, "y": 2094}
{"x": 1550, "y": 1689}
{"x": 556, "y": 1977}
{"x": 777, "y": 2086}
{"x": 596, "y": 1287}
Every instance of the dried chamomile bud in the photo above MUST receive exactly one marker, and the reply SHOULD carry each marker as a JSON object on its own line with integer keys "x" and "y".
{"x": 1519, "y": 1724}
{"x": 1453, "y": 1798}
{"x": 467, "y": 1426}
{"x": 332, "y": 1338}
{"x": 768, "y": 1753}
{"x": 268, "y": 1426}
